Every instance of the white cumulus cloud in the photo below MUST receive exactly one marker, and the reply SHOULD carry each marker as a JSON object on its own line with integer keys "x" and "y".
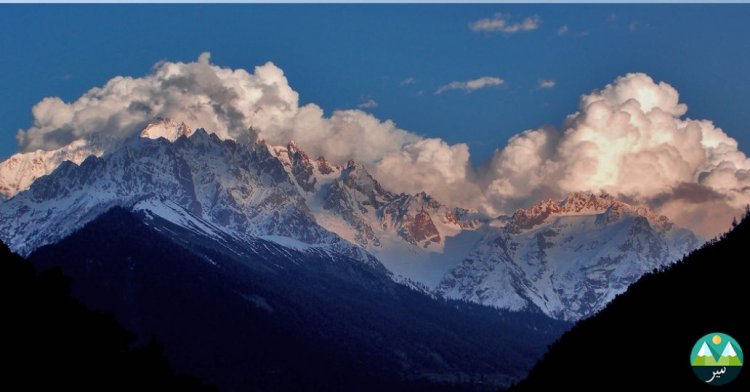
{"x": 222, "y": 100}
{"x": 629, "y": 139}
{"x": 433, "y": 166}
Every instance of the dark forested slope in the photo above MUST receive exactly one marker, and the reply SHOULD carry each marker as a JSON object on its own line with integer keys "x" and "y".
{"x": 50, "y": 340}
{"x": 253, "y": 315}
{"x": 644, "y": 338}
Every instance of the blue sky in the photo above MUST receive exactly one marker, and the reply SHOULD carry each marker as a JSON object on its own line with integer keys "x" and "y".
{"x": 340, "y": 56}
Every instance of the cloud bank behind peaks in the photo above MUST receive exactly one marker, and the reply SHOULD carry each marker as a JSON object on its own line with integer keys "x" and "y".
{"x": 198, "y": 93}
{"x": 221, "y": 100}
{"x": 229, "y": 101}
{"x": 630, "y": 139}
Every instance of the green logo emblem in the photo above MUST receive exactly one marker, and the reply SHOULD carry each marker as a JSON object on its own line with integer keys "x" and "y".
{"x": 716, "y": 359}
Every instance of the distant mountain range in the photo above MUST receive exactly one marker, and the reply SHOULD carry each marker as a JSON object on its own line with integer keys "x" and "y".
{"x": 259, "y": 267}
{"x": 564, "y": 258}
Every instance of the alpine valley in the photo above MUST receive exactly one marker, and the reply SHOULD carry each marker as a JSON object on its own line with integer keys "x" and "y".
{"x": 260, "y": 252}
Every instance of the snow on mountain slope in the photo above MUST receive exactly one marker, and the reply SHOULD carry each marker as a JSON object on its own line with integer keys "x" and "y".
{"x": 567, "y": 258}
{"x": 166, "y": 128}
{"x": 210, "y": 178}
{"x": 415, "y": 236}
{"x": 158, "y": 209}
{"x": 19, "y": 171}
{"x": 163, "y": 208}
{"x": 242, "y": 189}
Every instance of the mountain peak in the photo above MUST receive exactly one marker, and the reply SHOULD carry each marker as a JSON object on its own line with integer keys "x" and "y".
{"x": 18, "y": 172}
{"x": 297, "y": 163}
{"x": 356, "y": 176}
{"x": 166, "y": 128}
{"x": 297, "y": 152}
{"x": 325, "y": 167}
{"x": 353, "y": 165}
{"x": 586, "y": 203}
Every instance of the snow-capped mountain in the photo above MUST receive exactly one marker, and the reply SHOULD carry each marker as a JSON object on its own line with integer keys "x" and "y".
{"x": 18, "y": 172}
{"x": 248, "y": 189}
{"x": 241, "y": 189}
{"x": 355, "y": 197}
{"x": 415, "y": 236}
{"x": 166, "y": 128}
{"x": 567, "y": 258}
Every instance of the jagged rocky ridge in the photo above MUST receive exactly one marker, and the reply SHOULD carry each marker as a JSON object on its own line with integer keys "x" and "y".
{"x": 18, "y": 172}
{"x": 241, "y": 188}
{"x": 567, "y": 258}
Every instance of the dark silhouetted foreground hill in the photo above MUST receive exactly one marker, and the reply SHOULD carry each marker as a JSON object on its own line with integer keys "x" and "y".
{"x": 50, "y": 341}
{"x": 643, "y": 339}
{"x": 252, "y": 315}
